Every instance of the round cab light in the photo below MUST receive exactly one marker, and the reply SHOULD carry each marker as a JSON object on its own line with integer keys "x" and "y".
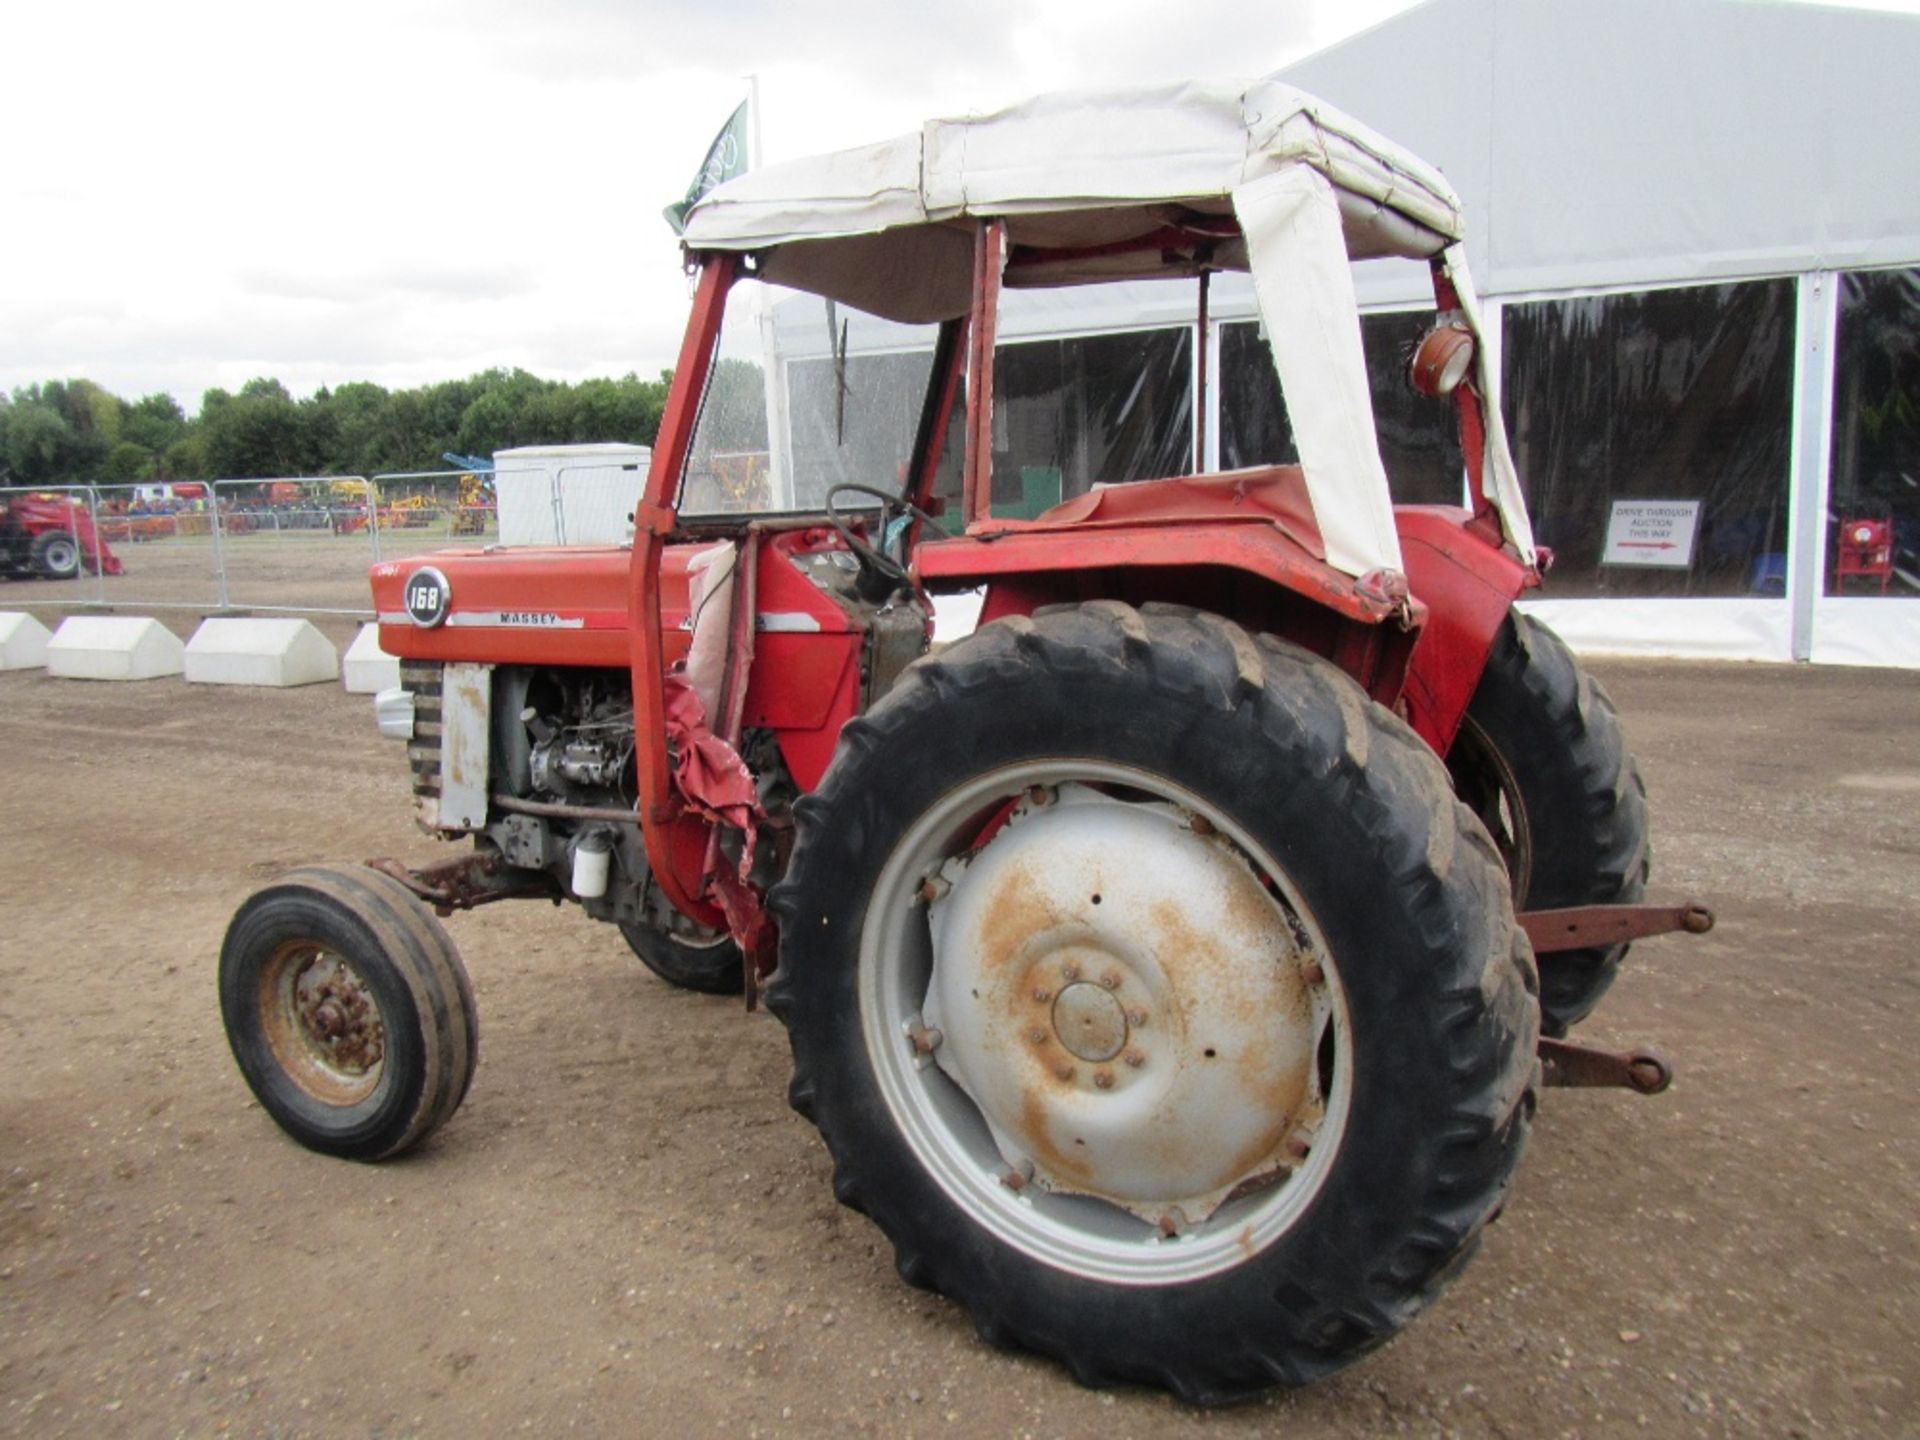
{"x": 1441, "y": 360}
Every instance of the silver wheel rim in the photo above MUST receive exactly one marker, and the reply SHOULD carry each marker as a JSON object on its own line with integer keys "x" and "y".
{"x": 62, "y": 556}
{"x": 962, "y": 1140}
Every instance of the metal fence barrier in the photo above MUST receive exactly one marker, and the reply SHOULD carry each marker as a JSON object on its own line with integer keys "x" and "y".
{"x": 290, "y": 546}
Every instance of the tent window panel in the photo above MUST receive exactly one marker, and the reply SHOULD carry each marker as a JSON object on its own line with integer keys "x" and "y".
{"x": 1096, "y": 409}
{"x": 1419, "y": 442}
{"x": 1873, "y": 507}
{"x": 1651, "y": 431}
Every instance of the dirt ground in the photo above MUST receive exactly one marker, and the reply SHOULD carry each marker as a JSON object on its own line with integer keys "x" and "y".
{"x": 312, "y": 569}
{"x": 626, "y": 1231}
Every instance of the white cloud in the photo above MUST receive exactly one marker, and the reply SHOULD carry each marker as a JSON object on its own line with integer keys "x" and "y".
{"x": 412, "y": 190}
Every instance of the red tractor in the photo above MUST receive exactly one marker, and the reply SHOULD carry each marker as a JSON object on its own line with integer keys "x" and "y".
{"x": 1150, "y": 956}
{"x": 50, "y": 535}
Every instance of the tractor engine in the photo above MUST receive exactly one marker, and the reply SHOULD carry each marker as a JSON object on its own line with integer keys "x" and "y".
{"x": 553, "y": 751}
{"x": 562, "y": 740}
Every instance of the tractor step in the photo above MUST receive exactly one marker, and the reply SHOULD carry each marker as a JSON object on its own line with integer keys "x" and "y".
{"x": 1586, "y": 927}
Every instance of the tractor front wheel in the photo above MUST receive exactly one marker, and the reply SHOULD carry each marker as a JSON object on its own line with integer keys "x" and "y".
{"x": 56, "y": 555}
{"x": 348, "y": 1011}
{"x": 1156, "y": 998}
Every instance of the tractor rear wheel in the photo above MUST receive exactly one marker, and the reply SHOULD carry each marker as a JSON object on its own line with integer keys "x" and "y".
{"x": 1542, "y": 760}
{"x": 348, "y": 1011}
{"x": 56, "y": 555}
{"x": 1155, "y": 996}
{"x": 691, "y": 957}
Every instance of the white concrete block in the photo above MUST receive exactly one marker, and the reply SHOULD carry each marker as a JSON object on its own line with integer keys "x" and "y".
{"x": 367, "y": 669}
{"x": 23, "y": 641}
{"x": 114, "y": 647}
{"x": 277, "y": 652}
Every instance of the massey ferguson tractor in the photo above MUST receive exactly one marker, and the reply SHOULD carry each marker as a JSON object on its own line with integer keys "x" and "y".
{"x": 1171, "y": 965}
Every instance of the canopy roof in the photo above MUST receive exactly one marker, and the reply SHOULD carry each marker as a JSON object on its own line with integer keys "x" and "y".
{"x": 885, "y": 226}
{"x": 1648, "y": 142}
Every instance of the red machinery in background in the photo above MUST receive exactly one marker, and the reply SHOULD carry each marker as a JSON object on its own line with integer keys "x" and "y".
{"x": 1865, "y": 551}
{"x": 50, "y": 535}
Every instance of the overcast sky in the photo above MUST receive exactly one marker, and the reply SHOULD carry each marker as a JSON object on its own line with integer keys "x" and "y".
{"x": 414, "y": 190}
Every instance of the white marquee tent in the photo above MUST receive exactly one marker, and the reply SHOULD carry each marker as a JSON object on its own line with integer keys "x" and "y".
{"x": 1640, "y": 144}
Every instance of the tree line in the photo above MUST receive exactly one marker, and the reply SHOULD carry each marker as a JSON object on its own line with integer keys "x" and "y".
{"x": 74, "y": 432}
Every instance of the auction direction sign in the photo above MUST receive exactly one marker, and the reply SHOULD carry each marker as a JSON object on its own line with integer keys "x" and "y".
{"x": 1652, "y": 532}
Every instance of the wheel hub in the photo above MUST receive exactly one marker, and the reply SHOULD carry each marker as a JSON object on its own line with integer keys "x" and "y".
{"x": 336, "y": 1016}
{"x": 1089, "y": 1022}
{"x": 322, "y": 1023}
{"x": 1127, "y": 1005}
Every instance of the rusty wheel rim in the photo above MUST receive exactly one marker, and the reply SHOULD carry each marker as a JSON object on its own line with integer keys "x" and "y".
{"x": 1486, "y": 783}
{"x": 1096, "y": 1042}
{"x": 322, "y": 1023}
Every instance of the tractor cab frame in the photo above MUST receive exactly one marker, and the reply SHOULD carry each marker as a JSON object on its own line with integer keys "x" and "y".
{"x": 1186, "y": 181}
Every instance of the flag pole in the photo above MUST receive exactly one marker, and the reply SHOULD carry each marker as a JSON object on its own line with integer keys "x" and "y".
{"x": 756, "y": 154}
{"x": 780, "y": 479}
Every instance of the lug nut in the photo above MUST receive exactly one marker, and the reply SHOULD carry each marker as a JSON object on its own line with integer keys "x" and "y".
{"x": 1111, "y": 980}
{"x": 1071, "y": 970}
{"x": 1037, "y": 1035}
{"x": 1136, "y": 1018}
{"x": 1041, "y": 994}
{"x": 1103, "y": 1079}
{"x": 1064, "y": 1070}
{"x": 1134, "y": 1059}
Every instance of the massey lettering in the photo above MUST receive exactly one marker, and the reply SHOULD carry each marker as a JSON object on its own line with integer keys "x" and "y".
{"x": 528, "y": 617}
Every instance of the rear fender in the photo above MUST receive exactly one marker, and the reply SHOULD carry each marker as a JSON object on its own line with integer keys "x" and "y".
{"x": 1425, "y": 661}
{"x": 1468, "y": 585}
{"x": 1209, "y": 570}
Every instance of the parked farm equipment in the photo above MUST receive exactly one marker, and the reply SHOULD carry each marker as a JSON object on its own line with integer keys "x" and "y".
{"x": 1150, "y": 957}
{"x": 50, "y": 535}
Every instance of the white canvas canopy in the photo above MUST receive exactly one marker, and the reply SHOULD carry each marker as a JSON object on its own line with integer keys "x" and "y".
{"x": 887, "y": 228}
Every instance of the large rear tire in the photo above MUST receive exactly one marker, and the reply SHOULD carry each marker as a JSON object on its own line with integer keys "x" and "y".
{"x": 1155, "y": 996}
{"x": 348, "y": 1011}
{"x": 1542, "y": 760}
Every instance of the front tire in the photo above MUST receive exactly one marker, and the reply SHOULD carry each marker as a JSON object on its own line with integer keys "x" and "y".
{"x": 1156, "y": 998}
{"x": 348, "y": 1011}
{"x": 1542, "y": 759}
{"x": 56, "y": 555}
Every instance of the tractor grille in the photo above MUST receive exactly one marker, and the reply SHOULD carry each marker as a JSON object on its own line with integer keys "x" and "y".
{"x": 421, "y": 680}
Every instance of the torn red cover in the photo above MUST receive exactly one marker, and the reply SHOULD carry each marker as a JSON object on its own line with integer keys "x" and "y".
{"x": 709, "y": 774}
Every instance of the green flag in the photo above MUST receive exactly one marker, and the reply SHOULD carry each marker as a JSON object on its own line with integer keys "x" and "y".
{"x": 726, "y": 158}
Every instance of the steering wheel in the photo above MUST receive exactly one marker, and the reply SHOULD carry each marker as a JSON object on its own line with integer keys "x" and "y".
{"x": 874, "y": 560}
